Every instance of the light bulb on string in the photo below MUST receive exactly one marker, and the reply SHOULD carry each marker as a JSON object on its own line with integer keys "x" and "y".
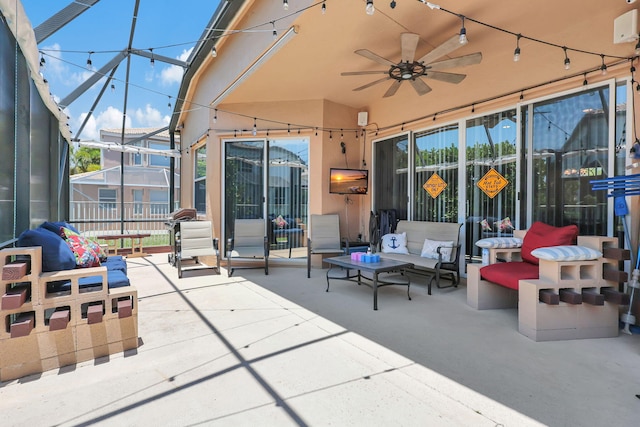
{"x": 215, "y": 116}
{"x": 275, "y": 33}
{"x": 567, "y": 61}
{"x": 89, "y": 63}
{"x": 324, "y": 8}
{"x": 637, "y": 48}
{"x": 603, "y": 67}
{"x": 516, "y": 52}
{"x": 113, "y": 88}
{"x": 214, "y": 52}
{"x": 255, "y": 129}
{"x": 463, "y": 33}
{"x": 370, "y": 8}
{"x": 152, "y": 60}
{"x": 285, "y": 4}
{"x": 392, "y": 5}
{"x": 42, "y": 60}
{"x": 585, "y": 82}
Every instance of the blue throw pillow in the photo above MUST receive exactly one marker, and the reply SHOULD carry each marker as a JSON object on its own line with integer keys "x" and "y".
{"x": 55, "y": 226}
{"x": 56, "y": 254}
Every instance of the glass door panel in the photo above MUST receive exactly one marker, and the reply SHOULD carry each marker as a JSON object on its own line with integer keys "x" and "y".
{"x": 244, "y": 182}
{"x": 287, "y": 194}
{"x": 570, "y": 147}
{"x": 391, "y": 175}
{"x": 436, "y": 161}
{"x": 491, "y": 144}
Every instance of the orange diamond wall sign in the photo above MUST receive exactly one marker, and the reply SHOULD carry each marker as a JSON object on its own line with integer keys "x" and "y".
{"x": 434, "y": 185}
{"x": 492, "y": 183}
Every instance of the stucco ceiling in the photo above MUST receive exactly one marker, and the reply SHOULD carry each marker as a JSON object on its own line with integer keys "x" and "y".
{"x": 309, "y": 66}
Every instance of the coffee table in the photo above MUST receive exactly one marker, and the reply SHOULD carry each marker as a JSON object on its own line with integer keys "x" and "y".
{"x": 384, "y": 266}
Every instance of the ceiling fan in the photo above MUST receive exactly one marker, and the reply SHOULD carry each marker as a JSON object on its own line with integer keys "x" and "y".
{"x": 411, "y": 70}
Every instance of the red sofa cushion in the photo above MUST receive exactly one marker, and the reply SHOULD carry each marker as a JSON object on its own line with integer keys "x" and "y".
{"x": 542, "y": 235}
{"x": 508, "y": 274}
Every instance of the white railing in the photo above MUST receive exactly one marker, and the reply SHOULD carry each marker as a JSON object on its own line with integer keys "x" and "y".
{"x": 98, "y": 218}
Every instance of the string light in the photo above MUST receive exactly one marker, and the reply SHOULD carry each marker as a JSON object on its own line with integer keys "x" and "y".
{"x": 288, "y": 128}
{"x": 89, "y": 63}
{"x": 113, "y": 88}
{"x": 214, "y": 52}
{"x": 316, "y": 131}
{"x": 215, "y": 116}
{"x": 255, "y": 129}
{"x": 585, "y": 82}
{"x": 392, "y": 5}
{"x": 473, "y": 108}
{"x": 521, "y": 95}
{"x": 637, "y": 48}
{"x": 567, "y": 61}
{"x": 285, "y": 4}
{"x": 42, "y": 60}
{"x": 330, "y": 135}
{"x": 463, "y": 32}
{"x": 603, "y": 67}
{"x": 324, "y": 7}
{"x": 516, "y": 53}
{"x": 275, "y": 33}
{"x": 370, "y": 8}
{"x": 152, "y": 60}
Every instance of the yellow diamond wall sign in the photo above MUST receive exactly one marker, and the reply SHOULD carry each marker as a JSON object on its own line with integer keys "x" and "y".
{"x": 434, "y": 185}
{"x": 492, "y": 183}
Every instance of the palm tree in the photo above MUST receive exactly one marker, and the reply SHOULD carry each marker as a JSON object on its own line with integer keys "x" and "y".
{"x": 84, "y": 159}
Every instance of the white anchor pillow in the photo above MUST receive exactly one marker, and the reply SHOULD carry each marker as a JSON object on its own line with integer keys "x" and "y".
{"x": 394, "y": 244}
{"x": 430, "y": 249}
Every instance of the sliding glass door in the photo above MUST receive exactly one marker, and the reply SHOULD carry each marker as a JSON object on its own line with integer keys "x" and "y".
{"x": 278, "y": 193}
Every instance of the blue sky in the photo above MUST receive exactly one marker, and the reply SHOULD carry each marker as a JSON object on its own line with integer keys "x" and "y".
{"x": 168, "y": 27}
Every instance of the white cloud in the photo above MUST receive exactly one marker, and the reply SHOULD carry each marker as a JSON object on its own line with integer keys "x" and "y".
{"x": 107, "y": 119}
{"x": 173, "y": 73}
{"x": 150, "y": 117}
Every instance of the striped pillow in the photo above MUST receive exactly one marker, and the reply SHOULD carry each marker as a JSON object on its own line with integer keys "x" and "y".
{"x": 566, "y": 253}
{"x": 499, "y": 242}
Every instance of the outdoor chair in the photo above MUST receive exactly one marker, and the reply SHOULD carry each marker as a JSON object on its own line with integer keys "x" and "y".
{"x": 249, "y": 243}
{"x": 194, "y": 241}
{"x": 324, "y": 237}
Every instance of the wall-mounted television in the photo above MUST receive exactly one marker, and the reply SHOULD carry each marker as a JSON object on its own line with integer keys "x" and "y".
{"x": 348, "y": 181}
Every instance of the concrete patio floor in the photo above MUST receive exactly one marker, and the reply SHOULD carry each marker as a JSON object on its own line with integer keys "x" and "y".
{"x": 260, "y": 350}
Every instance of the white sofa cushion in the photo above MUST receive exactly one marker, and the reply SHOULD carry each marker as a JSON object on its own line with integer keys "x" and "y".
{"x": 566, "y": 253}
{"x": 394, "y": 243}
{"x": 430, "y": 249}
{"x": 499, "y": 242}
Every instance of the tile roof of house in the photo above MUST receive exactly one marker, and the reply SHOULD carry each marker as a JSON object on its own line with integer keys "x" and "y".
{"x": 137, "y": 131}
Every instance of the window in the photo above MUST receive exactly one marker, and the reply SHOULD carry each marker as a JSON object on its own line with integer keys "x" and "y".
{"x": 158, "y": 160}
{"x": 137, "y": 201}
{"x": 200, "y": 180}
{"x": 159, "y": 202}
{"x": 108, "y": 198}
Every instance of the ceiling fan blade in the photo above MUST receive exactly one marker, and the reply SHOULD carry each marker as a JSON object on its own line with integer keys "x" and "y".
{"x": 420, "y": 86}
{"x": 374, "y": 57}
{"x": 409, "y": 42}
{"x": 445, "y": 77}
{"x": 372, "y": 83}
{"x": 392, "y": 89}
{"x": 461, "y": 61}
{"x": 444, "y": 49}
{"x": 362, "y": 73}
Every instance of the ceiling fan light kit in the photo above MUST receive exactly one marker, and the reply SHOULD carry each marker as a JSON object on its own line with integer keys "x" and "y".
{"x": 414, "y": 71}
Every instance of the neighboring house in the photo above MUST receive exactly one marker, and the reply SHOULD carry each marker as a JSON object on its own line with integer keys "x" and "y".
{"x": 146, "y": 183}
